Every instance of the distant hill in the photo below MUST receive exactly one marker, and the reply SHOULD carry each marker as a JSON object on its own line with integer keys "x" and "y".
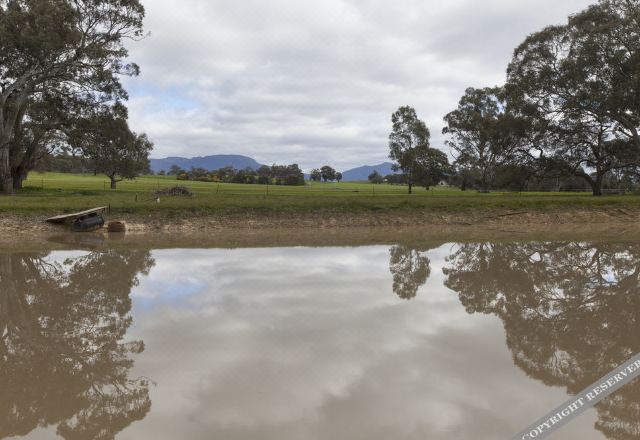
{"x": 239, "y": 162}
{"x": 208, "y": 162}
{"x": 362, "y": 173}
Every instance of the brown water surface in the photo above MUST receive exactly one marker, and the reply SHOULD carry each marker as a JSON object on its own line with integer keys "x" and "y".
{"x": 400, "y": 338}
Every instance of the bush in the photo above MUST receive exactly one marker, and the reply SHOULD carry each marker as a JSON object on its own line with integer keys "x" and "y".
{"x": 174, "y": 191}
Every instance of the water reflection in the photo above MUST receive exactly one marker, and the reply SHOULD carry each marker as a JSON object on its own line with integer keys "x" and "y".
{"x": 318, "y": 343}
{"x": 410, "y": 268}
{"x": 571, "y": 312}
{"x": 63, "y": 361}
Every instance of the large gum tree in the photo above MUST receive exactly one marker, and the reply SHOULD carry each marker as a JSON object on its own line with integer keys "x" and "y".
{"x": 580, "y": 84}
{"x": 60, "y": 47}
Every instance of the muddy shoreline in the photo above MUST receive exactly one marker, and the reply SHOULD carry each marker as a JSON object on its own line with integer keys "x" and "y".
{"x": 327, "y": 228}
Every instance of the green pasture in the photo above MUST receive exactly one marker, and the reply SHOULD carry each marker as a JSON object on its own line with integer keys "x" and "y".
{"x": 57, "y": 193}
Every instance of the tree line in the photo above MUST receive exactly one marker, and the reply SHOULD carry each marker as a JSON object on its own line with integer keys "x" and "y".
{"x": 569, "y": 112}
{"x": 61, "y": 64}
{"x": 325, "y": 174}
{"x": 570, "y": 108}
{"x": 265, "y": 175}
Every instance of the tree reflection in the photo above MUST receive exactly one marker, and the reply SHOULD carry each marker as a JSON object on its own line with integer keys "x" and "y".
{"x": 571, "y": 313}
{"x": 63, "y": 361}
{"x": 410, "y": 268}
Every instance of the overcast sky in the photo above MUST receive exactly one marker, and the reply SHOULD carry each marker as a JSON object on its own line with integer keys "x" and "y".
{"x": 315, "y": 83}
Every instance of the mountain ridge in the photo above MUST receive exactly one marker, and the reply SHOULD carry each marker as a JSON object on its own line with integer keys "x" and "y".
{"x": 213, "y": 162}
{"x": 237, "y": 161}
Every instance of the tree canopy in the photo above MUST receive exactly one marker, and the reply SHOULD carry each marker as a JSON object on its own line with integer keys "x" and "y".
{"x": 59, "y": 48}
{"x": 578, "y": 84}
{"x": 409, "y": 148}
{"x": 111, "y": 147}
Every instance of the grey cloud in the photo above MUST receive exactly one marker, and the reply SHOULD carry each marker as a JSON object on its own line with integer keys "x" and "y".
{"x": 292, "y": 81}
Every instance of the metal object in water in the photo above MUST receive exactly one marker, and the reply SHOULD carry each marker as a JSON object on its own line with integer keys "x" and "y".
{"x": 89, "y": 223}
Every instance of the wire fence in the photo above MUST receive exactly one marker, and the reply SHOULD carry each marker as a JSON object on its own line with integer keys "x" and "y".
{"x": 150, "y": 185}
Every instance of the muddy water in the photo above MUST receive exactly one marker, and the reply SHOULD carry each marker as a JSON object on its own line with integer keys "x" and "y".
{"x": 401, "y": 340}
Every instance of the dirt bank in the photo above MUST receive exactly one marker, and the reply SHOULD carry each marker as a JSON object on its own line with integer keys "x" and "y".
{"x": 620, "y": 219}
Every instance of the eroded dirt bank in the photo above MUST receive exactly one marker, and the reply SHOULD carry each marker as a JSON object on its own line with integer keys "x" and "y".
{"x": 345, "y": 228}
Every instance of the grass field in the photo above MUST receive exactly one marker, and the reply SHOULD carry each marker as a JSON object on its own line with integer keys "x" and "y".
{"x": 56, "y": 193}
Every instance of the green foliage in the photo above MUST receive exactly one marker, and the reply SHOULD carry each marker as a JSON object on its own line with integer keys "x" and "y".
{"x": 396, "y": 179}
{"x": 482, "y": 133}
{"x": 316, "y": 175}
{"x": 110, "y": 147}
{"x": 577, "y": 84}
{"x": 289, "y": 175}
{"x": 408, "y": 142}
{"x": 327, "y": 173}
{"x": 434, "y": 168}
{"x": 409, "y": 147}
{"x": 376, "y": 178}
{"x": 53, "y": 49}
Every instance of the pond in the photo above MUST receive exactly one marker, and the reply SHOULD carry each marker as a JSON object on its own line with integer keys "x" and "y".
{"x": 436, "y": 340}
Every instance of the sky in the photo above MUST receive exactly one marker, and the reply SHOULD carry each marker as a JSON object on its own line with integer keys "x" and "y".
{"x": 315, "y": 83}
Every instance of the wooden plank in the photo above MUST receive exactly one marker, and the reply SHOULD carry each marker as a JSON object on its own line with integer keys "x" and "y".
{"x": 65, "y": 217}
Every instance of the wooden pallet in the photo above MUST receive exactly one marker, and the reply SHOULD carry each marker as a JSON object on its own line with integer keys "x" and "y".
{"x": 66, "y": 218}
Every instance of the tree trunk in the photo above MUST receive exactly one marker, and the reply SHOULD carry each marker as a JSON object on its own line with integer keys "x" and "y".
{"x": 596, "y": 186}
{"x": 19, "y": 175}
{"x": 113, "y": 182}
{"x": 410, "y": 187}
{"x": 6, "y": 181}
{"x": 18, "y": 184}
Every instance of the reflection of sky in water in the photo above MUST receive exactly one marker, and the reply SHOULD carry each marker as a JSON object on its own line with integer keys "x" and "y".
{"x": 301, "y": 343}
{"x": 312, "y": 343}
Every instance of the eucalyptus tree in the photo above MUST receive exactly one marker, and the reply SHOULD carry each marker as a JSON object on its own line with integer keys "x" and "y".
{"x": 68, "y": 47}
{"x": 328, "y": 173}
{"x": 435, "y": 168}
{"x": 375, "y": 178}
{"x": 49, "y": 117}
{"x": 482, "y": 133}
{"x": 579, "y": 84}
{"x": 110, "y": 146}
{"x": 605, "y": 40}
{"x": 316, "y": 175}
{"x": 409, "y": 144}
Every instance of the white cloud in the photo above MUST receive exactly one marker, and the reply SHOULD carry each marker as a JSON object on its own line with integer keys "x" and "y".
{"x": 313, "y": 83}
